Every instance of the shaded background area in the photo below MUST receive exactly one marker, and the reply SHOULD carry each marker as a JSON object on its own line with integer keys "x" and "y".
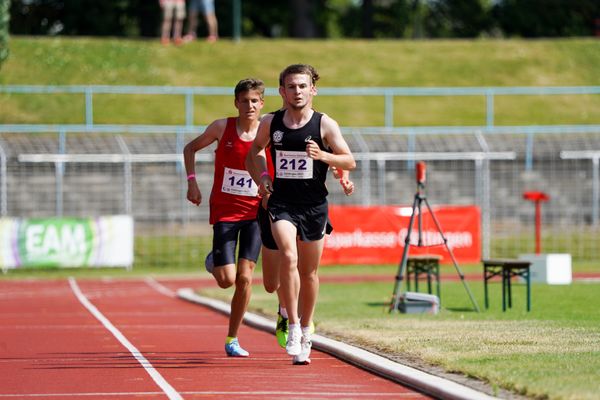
{"x": 321, "y": 19}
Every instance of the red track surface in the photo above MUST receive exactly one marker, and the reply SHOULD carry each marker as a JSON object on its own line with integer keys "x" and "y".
{"x": 53, "y": 347}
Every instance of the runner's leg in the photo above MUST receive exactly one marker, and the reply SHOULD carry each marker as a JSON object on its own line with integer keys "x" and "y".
{"x": 309, "y": 256}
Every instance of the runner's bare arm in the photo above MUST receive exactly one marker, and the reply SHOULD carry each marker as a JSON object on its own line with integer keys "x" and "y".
{"x": 251, "y": 166}
{"x": 341, "y": 157}
{"x": 213, "y": 133}
{"x": 254, "y": 172}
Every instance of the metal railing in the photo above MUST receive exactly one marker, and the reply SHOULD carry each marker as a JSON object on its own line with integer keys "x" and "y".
{"x": 388, "y": 93}
{"x": 594, "y": 156}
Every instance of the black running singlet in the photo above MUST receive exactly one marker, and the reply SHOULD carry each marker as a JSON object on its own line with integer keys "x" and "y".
{"x": 298, "y": 178}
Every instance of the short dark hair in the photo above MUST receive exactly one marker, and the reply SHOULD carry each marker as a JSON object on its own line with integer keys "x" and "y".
{"x": 299, "y": 69}
{"x": 248, "y": 84}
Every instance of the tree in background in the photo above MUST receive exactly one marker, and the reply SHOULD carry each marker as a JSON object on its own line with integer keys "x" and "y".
{"x": 457, "y": 18}
{"x": 85, "y": 17}
{"x": 304, "y": 21}
{"x": 547, "y": 18}
{"x": 376, "y": 19}
{"x": 4, "y": 19}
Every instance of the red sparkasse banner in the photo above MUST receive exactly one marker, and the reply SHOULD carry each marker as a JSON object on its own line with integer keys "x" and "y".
{"x": 376, "y": 235}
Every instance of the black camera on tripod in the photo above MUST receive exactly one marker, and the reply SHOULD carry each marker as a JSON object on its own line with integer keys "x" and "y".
{"x": 412, "y": 301}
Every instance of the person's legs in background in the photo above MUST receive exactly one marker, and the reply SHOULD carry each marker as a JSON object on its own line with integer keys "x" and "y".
{"x": 167, "y": 11}
{"x": 211, "y": 20}
{"x": 172, "y": 8}
{"x": 178, "y": 26}
{"x": 192, "y": 26}
{"x": 207, "y": 7}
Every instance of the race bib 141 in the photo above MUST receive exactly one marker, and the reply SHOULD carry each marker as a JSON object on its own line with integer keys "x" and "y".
{"x": 238, "y": 182}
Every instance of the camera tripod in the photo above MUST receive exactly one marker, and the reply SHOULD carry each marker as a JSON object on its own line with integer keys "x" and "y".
{"x": 419, "y": 199}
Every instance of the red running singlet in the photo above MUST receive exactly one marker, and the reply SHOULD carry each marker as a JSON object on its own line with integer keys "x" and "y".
{"x": 234, "y": 193}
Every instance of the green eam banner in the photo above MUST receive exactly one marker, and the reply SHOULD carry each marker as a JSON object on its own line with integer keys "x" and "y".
{"x": 66, "y": 242}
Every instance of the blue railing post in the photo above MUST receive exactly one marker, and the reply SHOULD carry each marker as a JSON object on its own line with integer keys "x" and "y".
{"x": 189, "y": 108}
{"x": 389, "y": 109}
{"x": 60, "y": 172}
{"x": 179, "y": 144}
{"x": 89, "y": 106}
{"x": 595, "y": 189}
{"x": 529, "y": 151}
{"x": 410, "y": 148}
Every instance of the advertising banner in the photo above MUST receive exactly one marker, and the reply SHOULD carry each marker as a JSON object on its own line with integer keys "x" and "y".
{"x": 66, "y": 242}
{"x": 376, "y": 235}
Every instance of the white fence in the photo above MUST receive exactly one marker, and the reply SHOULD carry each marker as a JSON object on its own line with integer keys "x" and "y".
{"x": 93, "y": 173}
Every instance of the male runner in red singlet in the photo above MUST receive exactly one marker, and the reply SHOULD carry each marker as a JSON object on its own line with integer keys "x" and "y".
{"x": 233, "y": 202}
{"x": 300, "y": 139}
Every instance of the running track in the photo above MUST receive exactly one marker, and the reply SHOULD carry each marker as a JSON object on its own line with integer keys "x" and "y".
{"x": 132, "y": 338}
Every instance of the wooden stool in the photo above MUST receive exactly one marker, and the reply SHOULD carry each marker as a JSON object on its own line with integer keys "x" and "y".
{"x": 506, "y": 269}
{"x": 428, "y": 266}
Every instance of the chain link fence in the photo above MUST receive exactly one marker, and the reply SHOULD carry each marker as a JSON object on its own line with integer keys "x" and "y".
{"x": 88, "y": 172}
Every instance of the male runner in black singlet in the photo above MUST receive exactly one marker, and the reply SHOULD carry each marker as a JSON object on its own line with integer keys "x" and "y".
{"x": 304, "y": 144}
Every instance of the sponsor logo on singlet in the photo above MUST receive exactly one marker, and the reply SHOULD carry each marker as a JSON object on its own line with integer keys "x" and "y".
{"x": 277, "y": 136}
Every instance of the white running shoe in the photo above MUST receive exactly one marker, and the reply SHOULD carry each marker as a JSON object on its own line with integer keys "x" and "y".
{"x": 293, "y": 346}
{"x": 305, "y": 346}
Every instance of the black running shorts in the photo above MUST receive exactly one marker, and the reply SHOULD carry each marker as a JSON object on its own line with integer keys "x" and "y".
{"x": 225, "y": 239}
{"x": 265, "y": 229}
{"x": 312, "y": 222}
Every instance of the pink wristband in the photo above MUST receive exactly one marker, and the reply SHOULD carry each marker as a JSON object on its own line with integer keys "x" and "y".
{"x": 265, "y": 173}
{"x": 191, "y": 176}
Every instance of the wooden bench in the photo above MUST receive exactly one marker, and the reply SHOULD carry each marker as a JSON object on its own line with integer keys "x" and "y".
{"x": 506, "y": 269}
{"x": 427, "y": 266}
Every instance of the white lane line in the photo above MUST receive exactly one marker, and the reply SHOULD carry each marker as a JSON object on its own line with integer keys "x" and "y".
{"x": 61, "y": 395}
{"x": 258, "y": 394}
{"x": 141, "y": 326}
{"x": 154, "y": 374}
{"x": 159, "y": 287}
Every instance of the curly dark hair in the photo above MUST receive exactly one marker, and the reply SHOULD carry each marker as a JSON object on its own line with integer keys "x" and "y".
{"x": 299, "y": 69}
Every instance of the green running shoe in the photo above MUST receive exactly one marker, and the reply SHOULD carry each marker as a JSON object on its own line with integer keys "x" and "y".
{"x": 281, "y": 330}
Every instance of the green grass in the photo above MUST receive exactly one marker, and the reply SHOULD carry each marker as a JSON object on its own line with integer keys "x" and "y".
{"x": 551, "y": 352}
{"x": 165, "y": 251}
{"x": 389, "y": 63}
